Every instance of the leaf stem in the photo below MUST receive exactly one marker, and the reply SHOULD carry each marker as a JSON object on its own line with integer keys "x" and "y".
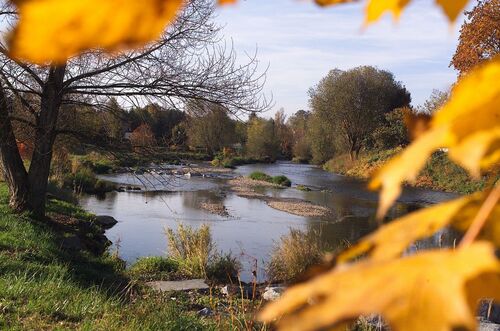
{"x": 481, "y": 217}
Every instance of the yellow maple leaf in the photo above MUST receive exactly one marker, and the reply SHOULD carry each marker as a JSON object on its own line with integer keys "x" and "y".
{"x": 391, "y": 240}
{"x": 436, "y": 290}
{"x": 472, "y": 143}
{"x": 376, "y": 8}
{"x": 452, "y": 8}
{"x": 54, "y": 30}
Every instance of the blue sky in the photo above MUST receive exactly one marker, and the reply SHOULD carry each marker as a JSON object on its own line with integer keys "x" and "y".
{"x": 301, "y": 42}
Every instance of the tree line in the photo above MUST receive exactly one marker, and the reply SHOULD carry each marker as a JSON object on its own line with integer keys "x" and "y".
{"x": 352, "y": 110}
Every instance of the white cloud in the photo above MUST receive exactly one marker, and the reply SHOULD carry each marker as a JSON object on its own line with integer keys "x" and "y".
{"x": 302, "y": 42}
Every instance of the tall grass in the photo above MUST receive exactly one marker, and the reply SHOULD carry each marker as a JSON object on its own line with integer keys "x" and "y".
{"x": 191, "y": 248}
{"x": 196, "y": 255}
{"x": 294, "y": 254}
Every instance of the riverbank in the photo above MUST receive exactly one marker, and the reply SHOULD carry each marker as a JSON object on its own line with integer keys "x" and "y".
{"x": 439, "y": 173}
{"x": 51, "y": 278}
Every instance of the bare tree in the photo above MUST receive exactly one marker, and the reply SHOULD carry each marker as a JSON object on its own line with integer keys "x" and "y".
{"x": 189, "y": 62}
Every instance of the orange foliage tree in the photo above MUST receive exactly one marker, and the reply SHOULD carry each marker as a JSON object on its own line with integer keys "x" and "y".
{"x": 142, "y": 137}
{"x": 479, "y": 36}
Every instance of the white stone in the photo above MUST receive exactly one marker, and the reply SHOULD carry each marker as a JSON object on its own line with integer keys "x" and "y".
{"x": 272, "y": 293}
{"x": 181, "y": 285}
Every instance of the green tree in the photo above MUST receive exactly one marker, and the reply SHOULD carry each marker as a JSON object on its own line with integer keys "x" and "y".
{"x": 392, "y": 131}
{"x": 322, "y": 139}
{"x": 261, "y": 139}
{"x": 283, "y": 134}
{"x": 352, "y": 103}
{"x": 179, "y": 135}
{"x": 299, "y": 123}
{"x": 113, "y": 118}
{"x": 434, "y": 102}
{"x": 210, "y": 127}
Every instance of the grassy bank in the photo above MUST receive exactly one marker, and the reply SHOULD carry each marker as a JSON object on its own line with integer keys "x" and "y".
{"x": 45, "y": 285}
{"x": 439, "y": 173}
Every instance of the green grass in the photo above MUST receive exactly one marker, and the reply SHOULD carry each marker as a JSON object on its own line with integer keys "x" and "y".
{"x": 443, "y": 174}
{"x": 439, "y": 172}
{"x": 154, "y": 268}
{"x": 46, "y": 288}
{"x": 278, "y": 180}
{"x": 257, "y": 175}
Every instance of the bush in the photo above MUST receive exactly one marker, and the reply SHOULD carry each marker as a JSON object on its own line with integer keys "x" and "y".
{"x": 102, "y": 168}
{"x": 83, "y": 180}
{"x": 278, "y": 180}
{"x": 282, "y": 180}
{"x": 258, "y": 175}
{"x": 195, "y": 255}
{"x": 191, "y": 248}
{"x": 154, "y": 268}
{"x": 294, "y": 254}
{"x": 303, "y": 188}
{"x": 230, "y": 161}
{"x": 223, "y": 269}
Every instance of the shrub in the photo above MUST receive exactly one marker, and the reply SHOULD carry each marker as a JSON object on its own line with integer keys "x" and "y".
{"x": 101, "y": 186}
{"x": 83, "y": 180}
{"x": 295, "y": 253}
{"x": 258, "y": 175}
{"x": 278, "y": 180}
{"x": 303, "y": 188}
{"x": 102, "y": 168}
{"x": 223, "y": 268}
{"x": 282, "y": 180}
{"x": 195, "y": 255}
{"x": 154, "y": 268}
{"x": 218, "y": 160}
{"x": 191, "y": 248}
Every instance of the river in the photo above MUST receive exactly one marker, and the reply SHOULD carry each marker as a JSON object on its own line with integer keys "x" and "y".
{"x": 253, "y": 227}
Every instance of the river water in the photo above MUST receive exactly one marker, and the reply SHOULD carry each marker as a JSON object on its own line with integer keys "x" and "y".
{"x": 253, "y": 227}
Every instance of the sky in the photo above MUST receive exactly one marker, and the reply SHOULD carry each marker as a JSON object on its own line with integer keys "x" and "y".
{"x": 301, "y": 42}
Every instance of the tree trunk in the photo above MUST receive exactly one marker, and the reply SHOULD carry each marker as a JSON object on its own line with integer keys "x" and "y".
{"x": 45, "y": 135}
{"x": 353, "y": 151}
{"x": 358, "y": 149}
{"x": 12, "y": 165}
